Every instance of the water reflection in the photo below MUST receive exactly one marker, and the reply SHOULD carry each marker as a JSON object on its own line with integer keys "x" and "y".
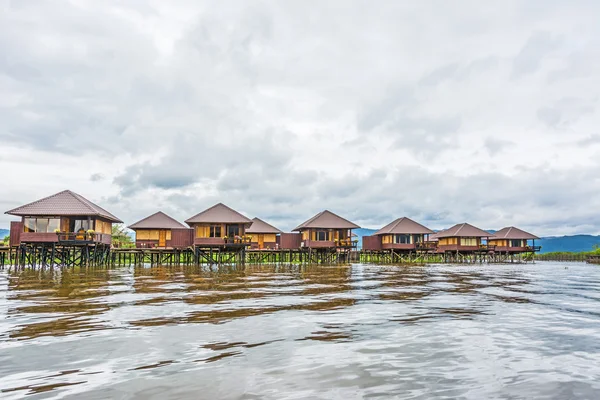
{"x": 420, "y": 332}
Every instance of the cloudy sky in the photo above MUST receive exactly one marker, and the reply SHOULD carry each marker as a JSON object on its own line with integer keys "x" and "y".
{"x": 444, "y": 112}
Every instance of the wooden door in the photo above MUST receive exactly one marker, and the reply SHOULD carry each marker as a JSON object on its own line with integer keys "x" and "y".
{"x": 261, "y": 241}
{"x": 162, "y": 238}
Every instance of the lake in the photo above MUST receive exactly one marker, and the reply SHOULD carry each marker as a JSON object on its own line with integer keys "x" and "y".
{"x": 342, "y": 332}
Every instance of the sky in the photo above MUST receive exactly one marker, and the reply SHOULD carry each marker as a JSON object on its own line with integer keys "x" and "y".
{"x": 444, "y": 112}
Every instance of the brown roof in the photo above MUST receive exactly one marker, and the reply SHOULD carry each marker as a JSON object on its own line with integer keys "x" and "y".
{"x": 65, "y": 203}
{"x": 327, "y": 220}
{"x": 219, "y": 214}
{"x": 463, "y": 230}
{"x": 159, "y": 220}
{"x": 511, "y": 232}
{"x": 403, "y": 226}
{"x": 260, "y": 226}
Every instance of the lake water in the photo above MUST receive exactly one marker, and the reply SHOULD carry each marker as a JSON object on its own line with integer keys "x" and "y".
{"x": 360, "y": 331}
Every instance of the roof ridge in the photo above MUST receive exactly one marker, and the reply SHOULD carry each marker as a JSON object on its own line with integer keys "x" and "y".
{"x": 83, "y": 201}
{"x": 156, "y": 214}
{"x": 220, "y": 204}
{"x": 397, "y": 222}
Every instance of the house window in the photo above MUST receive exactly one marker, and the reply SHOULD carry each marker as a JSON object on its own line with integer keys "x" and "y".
{"x": 215, "y": 231}
{"x": 417, "y": 238}
{"x": 29, "y": 224}
{"x": 403, "y": 239}
{"x": 78, "y": 225}
{"x": 516, "y": 243}
{"x": 41, "y": 225}
{"x": 233, "y": 230}
{"x": 468, "y": 241}
{"x": 322, "y": 236}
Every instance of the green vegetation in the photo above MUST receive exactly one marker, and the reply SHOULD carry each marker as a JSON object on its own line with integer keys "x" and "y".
{"x": 569, "y": 255}
{"x": 5, "y": 241}
{"x": 120, "y": 237}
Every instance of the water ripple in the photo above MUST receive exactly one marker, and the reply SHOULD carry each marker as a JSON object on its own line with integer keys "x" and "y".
{"x": 272, "y": 332}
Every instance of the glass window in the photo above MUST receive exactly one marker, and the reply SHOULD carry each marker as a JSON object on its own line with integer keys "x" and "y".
{"x": 322, "y": 236}
{"x": 403, "y": 239}
{"x": 215, "y": 231}
{"x": 78, "y": 225}
{"x": 41, "y": 225}
{"x": 29, "y": 224}
{"x": 233, "y": 230}
{"x": 53, "y": 224}
{"x": 516, "y": 243}
{"x": 468, "y": 241}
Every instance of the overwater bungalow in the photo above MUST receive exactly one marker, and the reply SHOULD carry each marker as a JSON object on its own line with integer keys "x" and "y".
{"x": 327, "y": 230}
{"x": 219, "y": 226}
{"x": 262, "y": 235}
{"x": 64, "y": 217}
{"x": 403, "y": 234}
{"x": 159, "y": 230}
{"x": 513, "y": 240}
{"x": 462, "y": 238}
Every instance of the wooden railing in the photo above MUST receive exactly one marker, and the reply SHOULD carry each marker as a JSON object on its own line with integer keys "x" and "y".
{"x": 346, "y": 243}
{"x": 238, "y": 240}
{"x": 84, "y": 237}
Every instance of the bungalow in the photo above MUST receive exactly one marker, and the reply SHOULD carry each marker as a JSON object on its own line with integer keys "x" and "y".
{"x": 513, "y": 240}
{"x": 461, "y": 238}
{"x": 218, "y": 226}
{"x": 65, "y": 217}
{"x": 161, "y": 230}
{"x": 327, "y": 230}
{"x": 262, "y": 235}
{"x": 403, "y": 234}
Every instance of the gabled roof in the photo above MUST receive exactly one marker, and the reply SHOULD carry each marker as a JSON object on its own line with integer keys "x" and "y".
{"x": 404, "y": 226}
{"x": 219, "y": 213}
{"x": 159, "y": 220}
{"x": 260, "y": 226}
{"x": 463, "y": 230}
{"x": 327, "y": 220}
{"x": 511, "y": 232}
{"x": 65, "y": 203}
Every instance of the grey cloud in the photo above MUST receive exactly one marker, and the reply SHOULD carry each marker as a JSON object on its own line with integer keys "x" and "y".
{"x": 590, "y": 140}
{"x": 495, "y": 146}
{"x": 565, "y": 111}
{"x": 96, "y": 177}
{"x": 537, "y": 47}
{"x": 455, "y": 71}
{"x": 253, "y": 104}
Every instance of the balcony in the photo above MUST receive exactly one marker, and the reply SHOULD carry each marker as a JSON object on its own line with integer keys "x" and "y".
{"x": 66, "y": 238}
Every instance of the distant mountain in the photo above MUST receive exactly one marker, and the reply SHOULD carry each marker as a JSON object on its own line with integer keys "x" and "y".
{"x": 575, "y": 243}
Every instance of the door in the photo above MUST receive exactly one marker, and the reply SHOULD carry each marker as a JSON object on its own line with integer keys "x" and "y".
{"x": 162, "y": 238}
{"x": 261, "y": 241}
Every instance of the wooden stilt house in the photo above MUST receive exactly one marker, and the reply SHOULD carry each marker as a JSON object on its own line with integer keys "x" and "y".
{"x": 327, "y": 230}
{"x": 263, "y": 235}
{"x": 513, "y": 240}
{"x": 219, "y": 226}
{"x": 64, "y": 217}
{"x": 403, "y": 235}
{"x": 161, "y": 231}
{"x": 462, "y": 238}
